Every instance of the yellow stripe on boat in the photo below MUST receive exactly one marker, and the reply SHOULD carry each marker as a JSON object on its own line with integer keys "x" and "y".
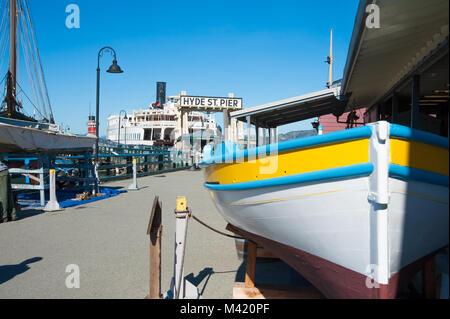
{"x": 291, "y": 163}
{"x": 419, "y": 155}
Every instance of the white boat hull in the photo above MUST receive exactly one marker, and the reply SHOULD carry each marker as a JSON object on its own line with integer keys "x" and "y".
{"x": 332, "y": 220}
{"x": 17, "y": 139}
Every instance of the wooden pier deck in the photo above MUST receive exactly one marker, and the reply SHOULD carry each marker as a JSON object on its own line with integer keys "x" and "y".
{"x": 108, "y": 241}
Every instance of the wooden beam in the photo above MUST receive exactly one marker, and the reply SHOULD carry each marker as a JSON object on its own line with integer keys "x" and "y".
{"x": 275, "y": 292}
{"x": 250, "y": 269}
{"x": 429, "y": 279}
{"x": 262, "y": 253}
{"x": 154, "y": 230}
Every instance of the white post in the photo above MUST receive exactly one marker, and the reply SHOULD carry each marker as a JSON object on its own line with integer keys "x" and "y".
{"x": 379, "y": 198}
{"x": 52, "y": 205}
{"x": 134, "y": 186}
{"x": 180, "y": 287}
{"x": 42, "y": 186}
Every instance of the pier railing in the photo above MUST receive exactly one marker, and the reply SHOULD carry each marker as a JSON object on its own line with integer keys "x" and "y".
{"x": 116, "y": 166}
{"x": 79, "y": 170}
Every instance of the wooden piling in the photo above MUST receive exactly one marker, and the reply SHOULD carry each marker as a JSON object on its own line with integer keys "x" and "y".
{"x": 154, "y": 230}
{"x": 429, "y": 279}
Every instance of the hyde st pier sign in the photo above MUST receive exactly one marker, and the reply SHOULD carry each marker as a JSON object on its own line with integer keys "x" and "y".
{"x": 208, "y": 102}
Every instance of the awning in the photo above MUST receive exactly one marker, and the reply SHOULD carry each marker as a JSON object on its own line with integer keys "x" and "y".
{"x": 293, "y": 109}
{"x": 411, "y": 31}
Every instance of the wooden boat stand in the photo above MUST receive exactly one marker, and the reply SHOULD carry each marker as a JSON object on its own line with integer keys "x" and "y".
{"x": 250, "y": 290}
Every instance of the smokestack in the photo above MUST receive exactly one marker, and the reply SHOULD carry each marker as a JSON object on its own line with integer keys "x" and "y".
{"x": 161, "y": 93}
{"x": 92, "y": 127}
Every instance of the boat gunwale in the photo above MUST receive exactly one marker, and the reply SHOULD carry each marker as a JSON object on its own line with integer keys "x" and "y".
{"x": 407, "y": 133}
{"x": 336, "y": 173}
{"x": 297, "y": 144}
{"x": 410, "y": 173}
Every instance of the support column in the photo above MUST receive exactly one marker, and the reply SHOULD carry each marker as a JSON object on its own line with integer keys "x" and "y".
{"x": 226, "y": 126}
{"x": 184, "y": 122}
{"x": 257, "y": 135}
{"x": 415, "y": 97}
{"x": 234, "y": 130}
{"x": 394, "y": 116}
{"x": 249, "y": 126}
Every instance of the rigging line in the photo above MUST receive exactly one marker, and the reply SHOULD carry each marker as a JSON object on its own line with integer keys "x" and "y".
{"x": 3, "y": 34}
{"x": 39, "y": 59}
{"x": 5, "y": 10}
{"x": 32, "y": 55}
{"x": 27, "y": 36}
{"x": 4, "y": 91}
{"x": 37, "y": 109}
{"x": 30, "y": 75}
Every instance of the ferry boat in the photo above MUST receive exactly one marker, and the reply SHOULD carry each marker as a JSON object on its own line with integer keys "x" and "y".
{"x": 158, "y": 124}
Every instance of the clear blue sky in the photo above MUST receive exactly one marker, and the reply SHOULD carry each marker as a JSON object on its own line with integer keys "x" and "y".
{"x": 260, "y": 50}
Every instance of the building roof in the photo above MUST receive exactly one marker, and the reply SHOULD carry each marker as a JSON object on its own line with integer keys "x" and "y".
{"x": 293, "y": 109}
{"x": 380, "y": 58}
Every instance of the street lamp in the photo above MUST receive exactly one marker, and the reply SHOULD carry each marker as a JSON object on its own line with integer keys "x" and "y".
{"x": 114, "y": 68}
{"x": 125, "y": 118}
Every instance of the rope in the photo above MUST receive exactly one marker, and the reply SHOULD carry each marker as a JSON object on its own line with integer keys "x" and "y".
{"x": 29, "y": 44}
{"x": 215, "y": 230}
{"x": 28, "y": 11}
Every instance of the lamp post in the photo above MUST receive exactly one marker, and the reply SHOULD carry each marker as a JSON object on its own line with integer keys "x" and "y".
{"x": 114, "y": 68}
{"x": 125, "y": 135}
{"x": 125, "y": 118}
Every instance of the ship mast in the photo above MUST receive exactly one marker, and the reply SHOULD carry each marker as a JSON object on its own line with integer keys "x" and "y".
{"x": 330, "y": 62}
{"x": 12, "y": 72}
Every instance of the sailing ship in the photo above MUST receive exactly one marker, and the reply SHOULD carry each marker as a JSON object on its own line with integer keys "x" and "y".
{"x": 20, "y": 132}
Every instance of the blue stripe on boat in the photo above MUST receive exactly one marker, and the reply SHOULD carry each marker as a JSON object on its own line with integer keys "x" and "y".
{"x": 326, "y": 174}
{"x": 418, "y": 136}
{"x": 310, "y": 141}
{"x": 409, "y": 173}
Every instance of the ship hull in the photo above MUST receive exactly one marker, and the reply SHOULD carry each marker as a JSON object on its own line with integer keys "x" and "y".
{"x": 25, "y": 140}
{"x": 326, "y": 231}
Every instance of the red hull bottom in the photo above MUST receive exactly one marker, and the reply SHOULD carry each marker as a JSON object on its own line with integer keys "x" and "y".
{"x": 332, "y": 280}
